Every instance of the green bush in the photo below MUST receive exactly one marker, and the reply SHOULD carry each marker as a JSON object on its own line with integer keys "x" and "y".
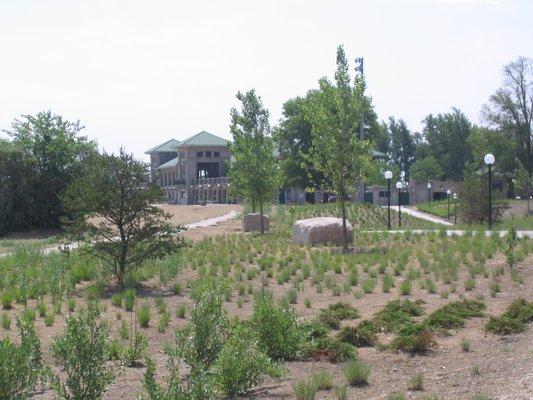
{"x": 20, "y": 366}
{"x": 240, "y": 363}
{"x": 143, "y": 315}
{"x": 129, "y": 299}
{"x": 333, "y": 350}
{"x": 405, "y": 287}
{"x": 135, "y": 351}
{"x": 513, "y": 320}
{"x": 82, "y": 354}
{"x": 344, "y": 311}
{"x": 7, "y": 299}
{"x": 6, "y": 321}
{"x": 357, "y": 373}
{"x": 397, "y": 313}
{"x": 280, "y": 335}
{"x": 181, "y": 310}
{"x": 454, "y": 314}
{"x": 414, "y": 338}
{"x": 116, "y": 300}
{"x": 362, "y": 335}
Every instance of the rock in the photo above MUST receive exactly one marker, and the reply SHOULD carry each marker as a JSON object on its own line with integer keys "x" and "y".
{"x": 252, "y": 222}
{"x": 320, "y": 230}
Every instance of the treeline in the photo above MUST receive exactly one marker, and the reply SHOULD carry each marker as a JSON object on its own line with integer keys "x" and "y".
{"x": 447, "y": 144}
{"x": 45, "y": 154}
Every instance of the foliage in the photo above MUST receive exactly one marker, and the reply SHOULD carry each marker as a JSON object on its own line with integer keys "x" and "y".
{"x": 304, "y": 390}
{"x": 333, "y": 350}
{"x": 45, "y": 156}
{"x": 357, "y": 372}
{"x": 21, "y": 366}
{"x": 453, "y": 314}
{"x": 438, "y": 207}
{"x": 426, "y": 169}
{"x": 135, "y": 351}
{"x": 414, "y": 338}
{"x": 82, "y": 354}
{"x": 395, "y": 314}
{"x": 253, "y": 171}
{"x": 335, "y": 113}
{"x": 280, "y": 335}
{"x": 116, "y": 216}
{"x": 323, "y": 380}
{"x": 511, "y": 241}
{"x": 401, "y": 146}
{"x": 361, "y": 335}
{"x": 513, "y": 320}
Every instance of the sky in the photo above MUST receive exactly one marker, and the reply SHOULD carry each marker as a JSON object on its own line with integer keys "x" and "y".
{"x": 137, "y": 73}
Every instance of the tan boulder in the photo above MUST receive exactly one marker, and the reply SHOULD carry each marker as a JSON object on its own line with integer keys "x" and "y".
{"x": 320, "y": 230}
{"x": 252, "y": 222}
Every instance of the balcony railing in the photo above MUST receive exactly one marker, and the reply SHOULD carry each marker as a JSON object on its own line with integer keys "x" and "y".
{"x": 223, "y": 180}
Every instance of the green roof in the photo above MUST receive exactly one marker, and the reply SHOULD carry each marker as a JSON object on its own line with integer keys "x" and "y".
{"x": 169, "y": 164}
{"x": 204, "y": 139}
{"x": 169, "y": 146}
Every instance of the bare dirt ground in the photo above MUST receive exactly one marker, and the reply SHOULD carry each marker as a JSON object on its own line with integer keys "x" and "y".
{"x": 517, "y": 208}
{"x": 187, "y": 214}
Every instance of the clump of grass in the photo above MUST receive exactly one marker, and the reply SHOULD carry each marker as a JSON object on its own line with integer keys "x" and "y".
{"x": 397, "y": 313}
{"x": 414, "y": 338}
{"x": 405, "y": 287}
{"x": 41, "y": 308}
{"x": 416, "y": 383}
{"x": 116, "y": 300}
{"x": 129, "y": 299}
{"x": 396, "y": 396}
{"x": 6, "y": 321}
{"x": 368, "y": 285}
{"x": 71, "y": 304}
{"x": 333, "y": 350}
{"x": 466, "y": 345}
{"x": 307, "y": 303}
{"x": 470, "y": 284}
{"x": 181, "y": 310}
{"x": 340, "y": 393}
{"x": 177, "y": 288}
{"x": 161, "y": 305}
{"x": 357, "y": 373}
{"x": 163, "y": 322}
{"x": 454, "y": 314}
{"x": 49, "y": 320}
{"x": 513, "y": 320}
{"x": 7, "y": 299}
{"x": 323, "y": 380}
{"x": 143, "y": 315}
{"x": 124, "y": 331}
{"x": 387, "y": 283}
{"x": 361, "y": 335}
{"x": 292, "y": 296}
{"x": 304, "y": 390}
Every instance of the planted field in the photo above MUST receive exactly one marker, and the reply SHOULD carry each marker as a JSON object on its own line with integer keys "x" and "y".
{"x": 403, "y": 315}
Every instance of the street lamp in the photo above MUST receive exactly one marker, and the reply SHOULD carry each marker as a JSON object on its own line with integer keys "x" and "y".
{"x": 399, "y": 186}
{"x": 429, "y": 193}
{"x": 489, "y": 160}
{"x": 388, "y": 177}
{"x": 448, "y": 193}
{"x": 455, "y": 206}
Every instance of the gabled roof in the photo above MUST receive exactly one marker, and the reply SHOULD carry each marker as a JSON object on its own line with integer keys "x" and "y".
{"x": 169, "y": 164}
{"x": 169, "y": 146}
{"x": 204, "y": 139}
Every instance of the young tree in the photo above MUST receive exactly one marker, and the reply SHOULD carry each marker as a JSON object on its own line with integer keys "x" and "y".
{"x": 524, "y": 184}
{"x": 510, "y": 109}
{"x": 115, "y": 215}
{"x": 253, "y": 173}
{"x": 402, "y": 146}
{"x": 426, "y": 169}
{"x": 335, "y": 113}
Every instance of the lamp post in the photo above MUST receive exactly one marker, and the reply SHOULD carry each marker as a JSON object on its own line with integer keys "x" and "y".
{"x": 455, "y": 207}
{"x": 489, "y": 160}
{"x": 448, "y": 193}
{"x": 399, "y": 186}
{"x": 429, "y": 193}
{"x": 388, "y": 177}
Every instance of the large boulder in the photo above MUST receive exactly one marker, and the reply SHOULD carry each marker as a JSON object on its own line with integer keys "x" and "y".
{"x": 320, "y": 230}
{"x": 252, "y": 222}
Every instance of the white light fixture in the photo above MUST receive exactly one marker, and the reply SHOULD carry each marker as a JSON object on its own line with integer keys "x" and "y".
{"x": 429, "y": 185}
{"x": 448, "y": 192}
{"x": 399, "y": 185}
{"x": 388, "y": 174}
{"x": 489, "y": 159}
{"x": 455, "y": 196}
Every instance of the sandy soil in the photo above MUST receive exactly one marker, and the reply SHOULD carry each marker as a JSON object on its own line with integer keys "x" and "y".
{"x": 187, "y": 214}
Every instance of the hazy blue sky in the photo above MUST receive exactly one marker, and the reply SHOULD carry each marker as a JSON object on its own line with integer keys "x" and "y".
{"x": 137, "y": 73}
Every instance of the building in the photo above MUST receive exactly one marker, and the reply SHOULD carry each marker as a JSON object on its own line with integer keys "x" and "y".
{"x": 192, "y": 171}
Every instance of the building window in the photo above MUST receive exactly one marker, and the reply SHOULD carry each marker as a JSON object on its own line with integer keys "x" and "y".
{"x": 216, "y": 154}
{"x": 383, "y": 193}
{"x": 208, "y": 153}
{"x": 199, "y": 154}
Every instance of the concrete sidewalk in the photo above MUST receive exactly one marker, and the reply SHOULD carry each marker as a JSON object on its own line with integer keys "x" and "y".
{"x": 458, "y": 232}
{"x": 422, "y": 215}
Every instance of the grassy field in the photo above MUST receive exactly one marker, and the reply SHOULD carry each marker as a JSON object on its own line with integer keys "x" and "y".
{"x": 403, "y": 315}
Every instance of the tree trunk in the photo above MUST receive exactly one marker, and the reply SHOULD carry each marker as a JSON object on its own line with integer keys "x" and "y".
{"x": 262, "y": 222}
{"x": 120, "y": 275}
{"x": 344, "y": 230}
{"x": 253, "y": 204}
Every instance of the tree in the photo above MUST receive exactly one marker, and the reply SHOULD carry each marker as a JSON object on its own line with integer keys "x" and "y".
{"x": 45, "y": 155}
{"x": 335, "y": 113}
{"x": 524, "y": 183}
{"x": 447, "y": 136}
{"x": 253, "y": 173}
{"x": 510, "y": 109}
{"x": 293, "y": 137}
{"x": 402, "y": 146}
{"x": 485, "y": 140}
{"x": 114, "y": 214}
{"x": 426, "y": 169}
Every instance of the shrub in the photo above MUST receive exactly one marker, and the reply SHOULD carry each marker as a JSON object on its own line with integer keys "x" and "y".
{"x": 397, "y": 313}
{"x": 470, "y": 284}
{"x": 513, "y": 320}
{"x": 387, "y": 283}
{"x": 163, "y": 322}
{"x": 405, "y": 287}
{"x": 307, "y": 303}
{"x": 129, "y": 299}
{"x": 466, "y": 345}
{"x": 7, "y": 299}
{"x": 323, "y": 380}
{"x": 116, "y": 300}
{"x": 304, "y": 390}
{"x": 280, "y": 336}
{"x": 124, "y": 331}
{"x": 181, "y": 310}
{"x": 83, "y": 347}
{"x": 240, "y": 363}
{"x": 135, "y": 351}
{"x": 414, "y": 338}
{"x": 176, "y": 288}
{"x": 333, "y": 350}
{"x": 328, "y": 319}
{"x": 71, "y": 304}
{"x": 362, "y": 335}
{"x": 344, "y": 311}
{"x": 6, "y": 321}
{"x": 368, "y": 285}
{"x": 357, "y": 373}
{"x": 416, "y": 383}
{"x": 49, "y": 320}
{"x": 454, "y": 314}
{"x": 20, "y": 366}
{"x": 143, "y": 315}
{"x": 41, "y": 307}
{"x": 292, "y": 296}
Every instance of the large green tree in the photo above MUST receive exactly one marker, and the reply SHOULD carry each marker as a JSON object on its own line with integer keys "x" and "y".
{"x": 45, "y": 155}
{"x": 254, "y": 173}
{"x": 402, "y": 146}
{"x": 510, "y": 109}
{"x": 115, "y": 215}
{"x": 336, "y": 112}
{"x": 426, "y": 169}
{"x": 447, "y": 136}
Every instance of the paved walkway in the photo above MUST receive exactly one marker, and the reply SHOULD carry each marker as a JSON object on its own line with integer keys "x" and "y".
{"x": 422, "y": 215}
{"x": 206, "y": 222}
{"x": 458, "y": 232}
